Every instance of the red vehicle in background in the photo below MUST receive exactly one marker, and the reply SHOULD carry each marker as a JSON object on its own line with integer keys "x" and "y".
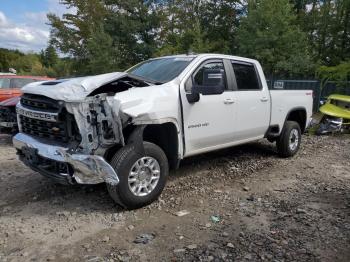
{"x": 10, "y": 85}
{"x": 8, "y": 117}
{"x": 10, "y": 92}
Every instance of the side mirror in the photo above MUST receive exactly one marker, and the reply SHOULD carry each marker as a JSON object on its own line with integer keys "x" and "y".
{"x": 213, "y": 83}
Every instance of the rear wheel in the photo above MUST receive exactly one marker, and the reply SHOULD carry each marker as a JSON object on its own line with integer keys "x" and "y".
{"x": 142, "y": 177}
{"x": 289, "y": 141}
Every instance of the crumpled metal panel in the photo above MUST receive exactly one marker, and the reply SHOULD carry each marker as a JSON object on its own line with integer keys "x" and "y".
{"x": 91, "y": 169}
{"x": 74, "y": 89}
{"x": 88, "y": 169}
{"x": 93, "y": 116}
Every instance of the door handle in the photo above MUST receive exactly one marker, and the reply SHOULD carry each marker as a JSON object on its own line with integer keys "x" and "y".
{"x": 264, "y": 99}
{"x": 228, "y": 101}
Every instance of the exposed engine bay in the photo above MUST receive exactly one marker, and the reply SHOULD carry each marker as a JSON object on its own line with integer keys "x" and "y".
{"x": 120, "y": 85}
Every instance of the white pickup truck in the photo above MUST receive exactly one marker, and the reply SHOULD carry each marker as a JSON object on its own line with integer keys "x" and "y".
{"x": 127, "y": 129}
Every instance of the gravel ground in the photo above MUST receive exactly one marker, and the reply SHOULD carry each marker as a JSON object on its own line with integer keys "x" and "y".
{"x": 239, "y": 204}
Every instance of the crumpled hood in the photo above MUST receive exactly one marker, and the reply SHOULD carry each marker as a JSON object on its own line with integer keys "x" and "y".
{"x": 71, "y": 90}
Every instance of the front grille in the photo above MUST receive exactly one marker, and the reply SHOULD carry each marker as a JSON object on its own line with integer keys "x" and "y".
{"x": 63, "y": 130}
{"x": 40, "y": 103}
{"x": 51, "y": 130}
{"x": 7, "y": 115}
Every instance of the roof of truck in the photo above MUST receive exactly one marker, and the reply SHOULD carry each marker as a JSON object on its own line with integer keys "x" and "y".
{"x": 209, "y": 55}
{"x": 175, "y": 56}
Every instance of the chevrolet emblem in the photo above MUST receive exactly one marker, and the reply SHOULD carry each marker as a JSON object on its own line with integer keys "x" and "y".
{"x": 55, "y": 129}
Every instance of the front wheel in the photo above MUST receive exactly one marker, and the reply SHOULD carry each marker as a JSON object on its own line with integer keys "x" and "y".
{"x": 142, "y": 177}
{"x": 289, "y": 140}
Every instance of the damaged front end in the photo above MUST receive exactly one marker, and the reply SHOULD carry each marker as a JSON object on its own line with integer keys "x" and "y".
{"x": 66, "y": 141}
{"x": 336, "y": 115}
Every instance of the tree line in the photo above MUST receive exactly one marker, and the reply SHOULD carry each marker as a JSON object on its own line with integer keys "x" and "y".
{"x": 291, "y": 38}
{"x": 45, "y": 63}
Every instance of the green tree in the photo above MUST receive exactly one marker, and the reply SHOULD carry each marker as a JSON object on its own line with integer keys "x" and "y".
{"x": 220, "y": 19}
{"x": 71, "y": 32}
{"x": 29, "y": 64}
{"x": 338, "y": 73}
{"x": 106, "y": 35}
{"x": 7, "y": 58}
{"x": 327, "y": 24}
{"x": 289, "y": 37}
{"x": 270, "y": 34}
{"x": 101, "y": 56}
{"x": 32, "y": 64}
{"x": 49, "y": 56}
{"x": 133, "y": 26}
{"x": 199, "y": 26}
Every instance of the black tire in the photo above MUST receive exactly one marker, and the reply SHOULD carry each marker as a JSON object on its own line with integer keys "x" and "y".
{"x": 283, "y": 142}
{"x": 122, "y": 163}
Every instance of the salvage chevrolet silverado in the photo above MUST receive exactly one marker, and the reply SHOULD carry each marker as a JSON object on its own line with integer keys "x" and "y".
{"x": 127, "y": 129}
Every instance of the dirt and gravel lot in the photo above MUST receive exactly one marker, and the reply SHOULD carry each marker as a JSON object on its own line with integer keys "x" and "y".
{"x": 243, "y": 204}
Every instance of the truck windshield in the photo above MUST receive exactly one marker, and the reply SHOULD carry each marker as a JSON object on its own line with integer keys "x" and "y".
{"x": 161, "y": 70}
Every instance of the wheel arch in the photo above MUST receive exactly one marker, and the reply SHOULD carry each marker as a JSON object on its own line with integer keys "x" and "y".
{"x": 299, "y": 115}
{"x": 165, "y": 135}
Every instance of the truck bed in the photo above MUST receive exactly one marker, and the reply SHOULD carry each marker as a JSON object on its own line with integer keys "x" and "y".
{"x": 284, "y": 100}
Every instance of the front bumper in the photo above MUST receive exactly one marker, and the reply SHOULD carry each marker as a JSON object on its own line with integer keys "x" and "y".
{"x": 8, "y": 118}
{"x": 81, "y": 168}
{"x": 8, "y": 124}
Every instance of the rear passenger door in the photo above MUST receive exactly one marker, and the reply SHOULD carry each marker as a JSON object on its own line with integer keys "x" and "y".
{"x": 252, "y": 102}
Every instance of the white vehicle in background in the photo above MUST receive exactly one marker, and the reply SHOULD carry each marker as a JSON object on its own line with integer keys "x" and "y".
{"x": 127, "y": 129}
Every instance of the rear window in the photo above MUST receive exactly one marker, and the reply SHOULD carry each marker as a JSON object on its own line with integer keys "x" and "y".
{"x": 246, "y": 76}
{"x": 4, "y": 83}
{"x": 20, "y": 82}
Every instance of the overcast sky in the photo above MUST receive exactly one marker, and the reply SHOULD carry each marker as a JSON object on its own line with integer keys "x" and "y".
{"x": 23, "y": 23}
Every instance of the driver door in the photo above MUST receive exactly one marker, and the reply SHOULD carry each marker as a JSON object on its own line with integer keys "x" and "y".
{"x": 209, "y": 122}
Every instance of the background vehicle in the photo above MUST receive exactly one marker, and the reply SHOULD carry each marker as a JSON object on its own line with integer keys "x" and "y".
{"x": 10, "y": 90}
{"x": 8, "y": 116}
{"x": 128, "y": 128}
{"x": 336, "y": 113}
{"x": 10, "y": 84}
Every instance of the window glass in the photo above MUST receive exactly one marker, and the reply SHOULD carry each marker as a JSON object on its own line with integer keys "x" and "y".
{"x": 161, "y": 70}
{"x": 246, "y": 76}
{"x": 4, "y": 83}
{"x": 20, "y": 82}
{"x": 199, "y": 76}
